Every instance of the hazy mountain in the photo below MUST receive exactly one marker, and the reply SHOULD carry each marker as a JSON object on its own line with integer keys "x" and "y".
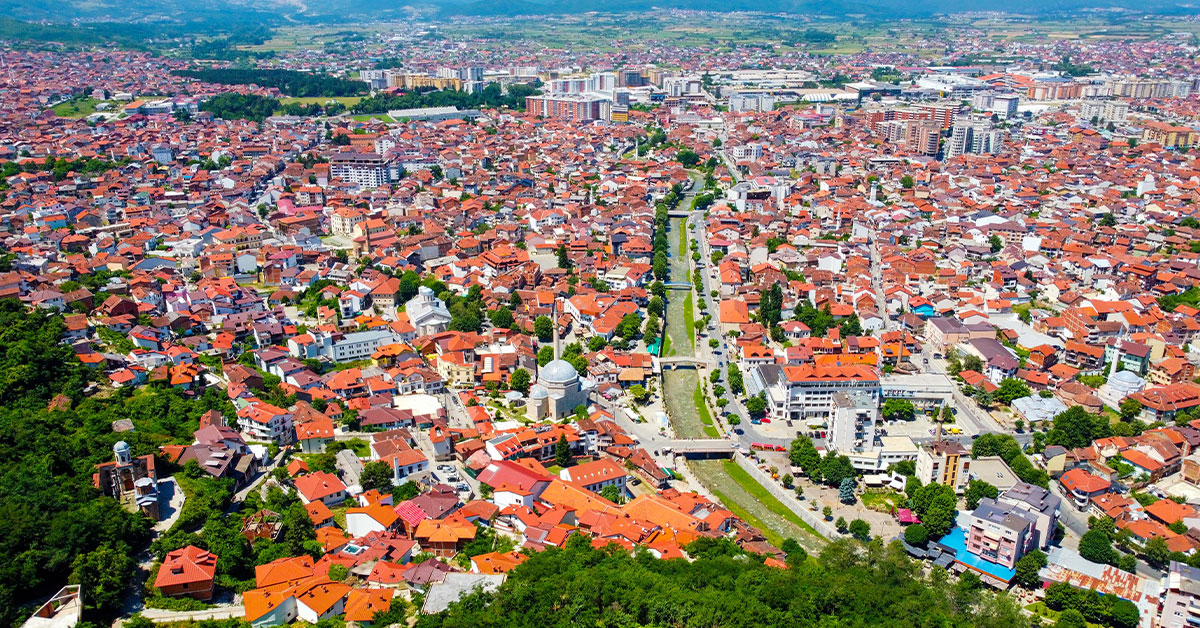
{"x": 283, "y": 11}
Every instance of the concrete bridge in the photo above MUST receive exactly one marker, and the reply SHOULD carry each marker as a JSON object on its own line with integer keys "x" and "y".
{"x": 702, "y": 448}
{"x": 681, "y": 361}
{"x": 678, "y": 285}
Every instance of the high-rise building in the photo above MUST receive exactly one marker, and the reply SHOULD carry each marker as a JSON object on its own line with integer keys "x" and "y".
{"x": 365, "y": 169}
{"x": 977, "y": 137}
{"x": 577, "y": 107}
{"x": 944, "y": 462}
{"x": 853, "y": 421}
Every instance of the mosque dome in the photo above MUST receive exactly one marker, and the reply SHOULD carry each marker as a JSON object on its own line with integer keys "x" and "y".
{"x": 558, "y": 372}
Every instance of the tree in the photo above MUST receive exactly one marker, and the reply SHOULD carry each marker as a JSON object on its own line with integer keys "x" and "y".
{"x": 1157, "y": 553}
{"x": 851, "y": 326}
{"x": 563, "y": 260}
{"x": 297, "y": 530}
{"x": 1123, "y": 614}
{"x": 827, "y": 512}
{"x": 501, "y": 318}
{"x": 977, "y": 490}
{"x": 545, "y": 355}
{"x": 804, "y": 454}
{"x": 338, "y": 572}
{"x": 102, "y": 576}
{"x": 639, "y": 393}
{"x": 562, "y": 452}
{"x": 916, "y": 535}
{"x": 907, "y": 182}
{"x": 898, "y": 410}
{"x": 995, "y": 243}
{"x": 1071, "y": 618}
{"x": 377, "y": 476}
{"x": 994, "y": 444}
{"x": 846, "y": 491}
{"x": 1028, "y": 567}
{"x": 1011, "y": 389}
{"x": 1130, "y": 409}
{"x": 860, "y": 529}
{"x": 940, "y": 514}
{"x": 756, "y": 405}
{"x": 1096, "y": 546}
{"x": 687, "y": 157}
{"x": 972, "y": 363}
{"x": 543, "y": 327}
{"x": 835, "y": 468}
{"x": 1076, "y": 427}
{"x": 519, "y": 381}
{"x": 613, "y": 494}
{"x": 840, "y": 524}
{"x": 629, "y": 326}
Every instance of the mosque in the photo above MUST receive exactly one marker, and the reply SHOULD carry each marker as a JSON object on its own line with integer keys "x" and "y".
{"x": 559, "y": 389}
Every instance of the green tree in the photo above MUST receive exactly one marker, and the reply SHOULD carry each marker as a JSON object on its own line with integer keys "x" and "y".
{"x": 860, "y": 529}
{"x": 519, "y": 381}
{"x": 564, "y": 261}
{"x": 1076, "y": 427}
{"x": 1028, "y": 567}
{"x": 916, "y": 535}
{"x": 338, "y": 572}
{"x": 1157, "y": 553}
{"x": 543, "y": 327}
{"x": 939, "y": 516}
{"x": 995, "y": 444}
{"x": 562, "y": 452}
{"x": 501, "y": 318}
{"x": 545, "y": 355}
{"x": 103, "y": 575}
{"x": 1130, "y": 409}
{"x": 756, "y": 405}
{"x": 639, "y": 393}
{"x": 613, "y": 494}
{"x": 804, "y": 454}
{"x": 376, "y": 475}
{"x": 835, "y": 468}
{"x": 629, "y": 326}
{"x": 1097, "y": 547}
{"x": 898, "y": 410}
{"x": 846, "y": 491}
{"x": 995, "y": 243}
{"x": 1070, "y": 618}
{"x": 977, "y": 490}
{"x": 907, "y": 182}
{"x": 1011, "y": 389}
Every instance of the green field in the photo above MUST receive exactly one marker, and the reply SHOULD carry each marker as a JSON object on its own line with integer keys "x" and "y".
{"x": 367, "y": 117}
{"x": 689, "y": 319}
{"x": 76, "y": 108}
{"x": 705, "y": 416}
{"x": 764, "y": 496}
{"x": 349, "y": 101}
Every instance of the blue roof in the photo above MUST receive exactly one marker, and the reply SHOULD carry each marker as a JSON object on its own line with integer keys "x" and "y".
{"x": 957, "y": 541}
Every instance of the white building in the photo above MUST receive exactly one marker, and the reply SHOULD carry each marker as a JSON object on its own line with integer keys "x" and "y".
{"x": 427, "y": 313}
{"x": 806, "y": 392}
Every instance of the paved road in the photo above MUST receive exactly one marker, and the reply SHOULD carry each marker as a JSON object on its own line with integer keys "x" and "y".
{"x": 877, "y": 282}
{"x": 225, "y": 611}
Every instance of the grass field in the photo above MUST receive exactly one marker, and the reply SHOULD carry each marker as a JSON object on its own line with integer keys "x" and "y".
{"x": 367, "y": 117}
{"x": 705, "y": 416}
{"x": 881, "y": 502}
{"x": 689, "y": 319}
{"x": 349, "y": 101}
{"x": 744, "y": 497}
{"x": 76, "y": 108}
